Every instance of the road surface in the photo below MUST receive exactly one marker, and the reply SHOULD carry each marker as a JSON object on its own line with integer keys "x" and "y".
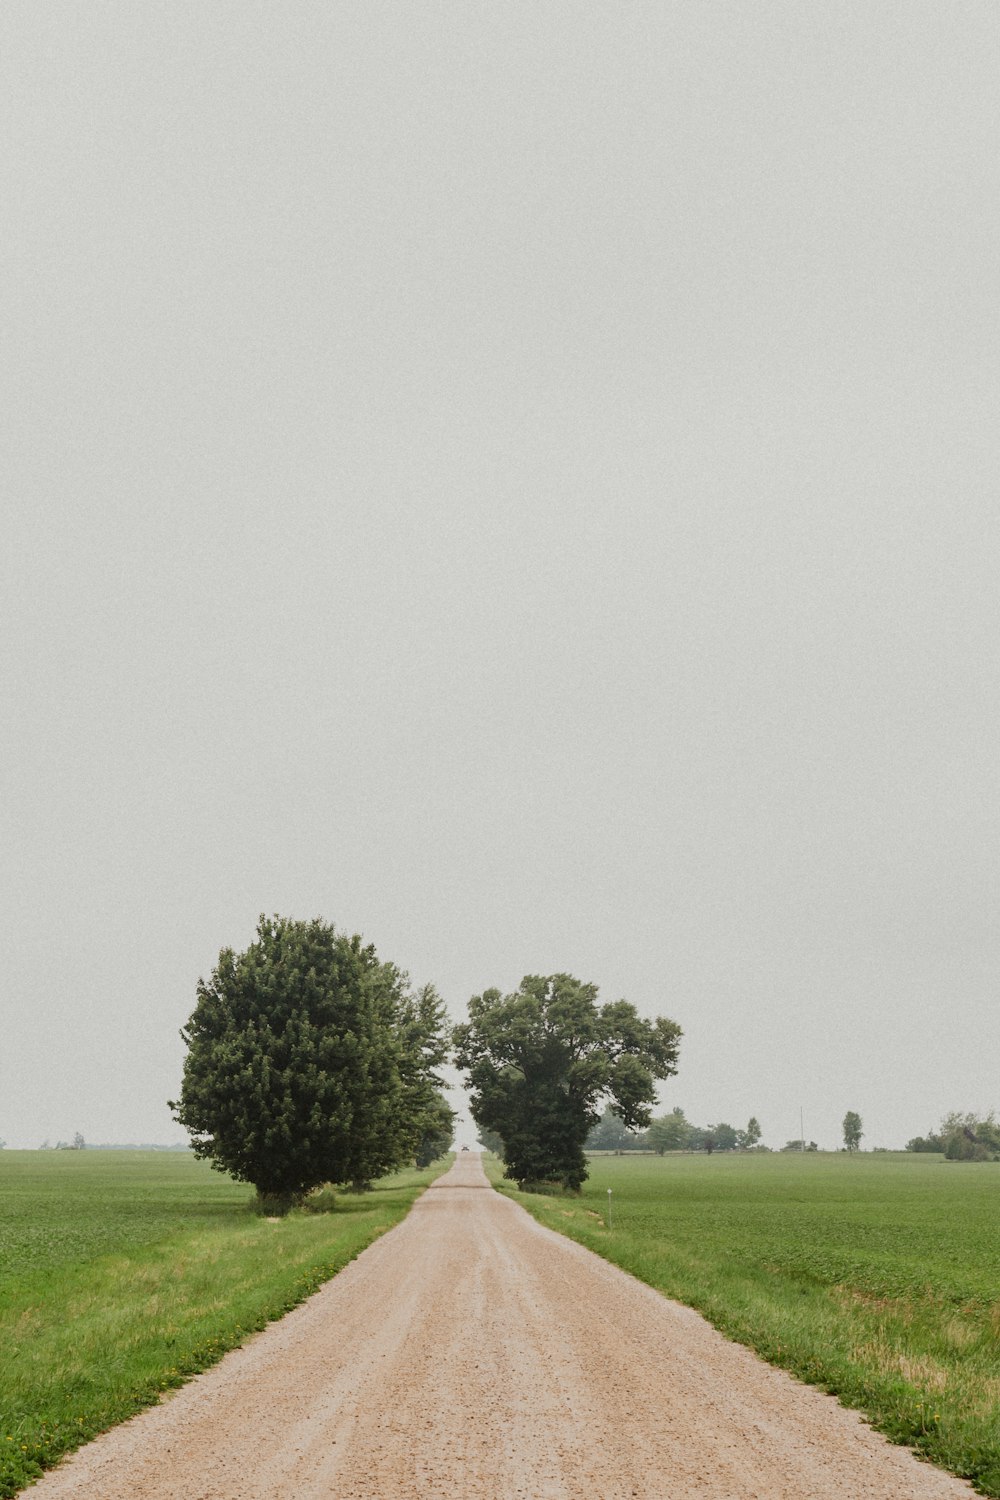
{"x": 470, "y": 1354}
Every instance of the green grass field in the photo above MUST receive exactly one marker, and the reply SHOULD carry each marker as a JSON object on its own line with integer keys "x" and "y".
{"x": 876, "y": 1277}
{"x": 124, "y": 1273}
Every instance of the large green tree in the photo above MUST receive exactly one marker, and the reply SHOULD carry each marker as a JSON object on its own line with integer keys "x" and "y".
{"x": 541, "y": 1062}
{"x": 308, "y": 1061}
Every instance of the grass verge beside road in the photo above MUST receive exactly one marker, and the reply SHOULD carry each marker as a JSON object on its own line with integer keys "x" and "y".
{"x": 876, "y": 1277}
{"x": 122, "y": 1274}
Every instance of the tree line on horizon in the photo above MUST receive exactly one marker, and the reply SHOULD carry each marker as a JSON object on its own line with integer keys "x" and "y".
{"x": 675, "y": 1132}
{"x": 962, "y": 1137}
{"x": 672, "y": 1132}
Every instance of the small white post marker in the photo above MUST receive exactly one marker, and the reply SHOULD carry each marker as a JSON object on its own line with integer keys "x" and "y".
{"x": 609, "y": 1208}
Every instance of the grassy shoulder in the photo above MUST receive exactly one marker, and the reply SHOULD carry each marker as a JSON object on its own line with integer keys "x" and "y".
{"x": 122, "y": 1274}
{"x": 876, "y": 1277}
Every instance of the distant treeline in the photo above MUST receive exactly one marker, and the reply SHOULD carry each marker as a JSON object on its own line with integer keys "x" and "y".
{"x": 960, "y": 1137}
{"x": 79, "y": 1144}
{"x": 967, "y": 1137}
{"x": 672, "y": 1132}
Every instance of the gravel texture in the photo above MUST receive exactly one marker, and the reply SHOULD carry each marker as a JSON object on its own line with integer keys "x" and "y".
{"x": 471, "y": 1354}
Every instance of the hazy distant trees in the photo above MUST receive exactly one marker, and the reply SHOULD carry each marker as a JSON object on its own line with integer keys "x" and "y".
{"x": 672, "y": 1132}
{"x": 422, "y": 1024}
{"x": 971, "y": 1137}
{"x": 722, "y": 1136}
{"x": 490, "y": 1141}
{"x": 310, "y": 1061}
{"x": 541, "y": 1060}
{"x": 675, "y": 1132}
{"x": 962, "y": 1137}
{"x": 929, "y": 1142}
{"x": 439, "y": 1129}
{"x": 800, "y": 1145}
{"x": 612, "y": 1134}
{"x": 852, "y": 1130}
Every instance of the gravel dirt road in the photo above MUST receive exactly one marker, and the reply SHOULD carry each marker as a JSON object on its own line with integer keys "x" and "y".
{"x": 471, "y": 1354}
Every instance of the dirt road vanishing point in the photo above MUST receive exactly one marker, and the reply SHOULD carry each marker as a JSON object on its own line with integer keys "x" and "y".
{"x": 471, "y": 1354}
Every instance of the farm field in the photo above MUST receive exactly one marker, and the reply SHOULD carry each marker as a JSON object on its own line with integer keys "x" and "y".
{"x": 124, "y": 1273}
{"x": 876, "y": 1276}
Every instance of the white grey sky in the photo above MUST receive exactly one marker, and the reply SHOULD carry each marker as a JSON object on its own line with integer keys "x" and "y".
{"x": 521, "y": 482}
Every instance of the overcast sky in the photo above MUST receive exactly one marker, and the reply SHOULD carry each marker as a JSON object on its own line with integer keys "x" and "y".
{"x": 518, "y": 481}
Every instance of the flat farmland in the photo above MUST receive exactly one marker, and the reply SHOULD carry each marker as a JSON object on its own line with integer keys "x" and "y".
{"x": 875, "y": 1276}
{"x": 124, "y": 1273}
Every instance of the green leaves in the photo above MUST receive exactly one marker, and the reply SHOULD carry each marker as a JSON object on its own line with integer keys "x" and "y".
{"x": 310, "y": 1061}
{"x": 540, "y": 1061}
{"x": 852, "y": 1130}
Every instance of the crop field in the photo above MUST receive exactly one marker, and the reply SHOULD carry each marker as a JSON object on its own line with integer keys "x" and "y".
{"x": 876, "y": 1276}
{"x": 124, "y": 1273}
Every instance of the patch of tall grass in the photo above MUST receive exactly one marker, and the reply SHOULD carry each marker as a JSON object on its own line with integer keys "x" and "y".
{"x": 876, "y": 1277}
{"x": 122, "y": 1274}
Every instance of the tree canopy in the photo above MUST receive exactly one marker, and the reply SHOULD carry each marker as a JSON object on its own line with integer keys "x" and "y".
{"x": 309, "y": 1061}
{"x": 541, "y": 1061}
{"x": 723, "y": 1137}
{"x": 422, "y": 1023}
{"x": 852, "y": 1130}
{"x": 672, "y": 1132}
